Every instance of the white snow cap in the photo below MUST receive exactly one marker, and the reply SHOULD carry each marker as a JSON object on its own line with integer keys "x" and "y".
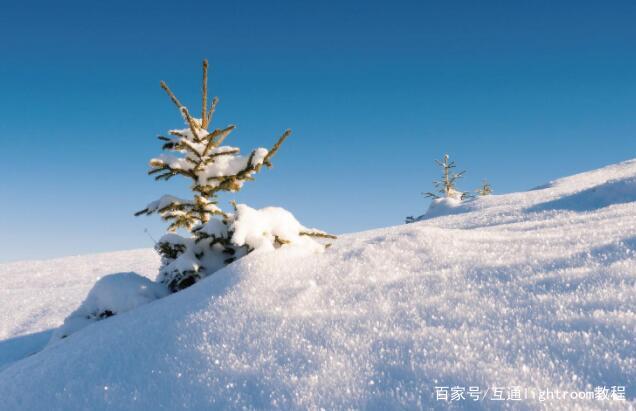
{"x": 259, "y": 229}
{"x": 164, "y": 201}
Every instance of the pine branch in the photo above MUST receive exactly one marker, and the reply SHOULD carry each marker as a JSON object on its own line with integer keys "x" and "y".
{"x": 176, "y": 206}
{"x": 174, "y": 98}
{"x": 191, "y": 161}
{"x": 188, "y": 146}
{"x": 224, "y": 153}
{"x": 274, "y": 149}
{"x": 231, "y": 183}
{"x": 215, "y": 101}
{"x": 174, "y": 171}
{"x": 216, "y": 137}
{"x": 210, "y": 158}
{"x": 191, "y": 124}
{"x": 204, "y": 236}
{"x": 204, "y": 98}
{"x": 142, "y": 212}
{"x": 318, "y": 234}
{"x": 165, "y": 176}
{"x": 280, "y": 241}
{"x": 182, "y": 109}
{"x": 177, "y": 133}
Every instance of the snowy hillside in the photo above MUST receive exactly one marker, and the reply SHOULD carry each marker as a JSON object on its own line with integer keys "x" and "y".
{"x": 37, "y": 295}
{"x": 533, "y": 291}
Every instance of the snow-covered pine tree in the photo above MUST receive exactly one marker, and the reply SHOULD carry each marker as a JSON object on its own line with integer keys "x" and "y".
{"x": 216, "y": 237}
{"x": 446, "y": 186}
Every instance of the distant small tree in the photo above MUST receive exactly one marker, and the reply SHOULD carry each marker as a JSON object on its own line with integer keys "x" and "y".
{"x": 485, "y": 189}
{"x": 446, "y": 187}
{"x": 197, "y": 154}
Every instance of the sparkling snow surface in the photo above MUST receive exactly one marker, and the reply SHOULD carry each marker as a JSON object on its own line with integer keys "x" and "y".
{"x": 534, "y": 289}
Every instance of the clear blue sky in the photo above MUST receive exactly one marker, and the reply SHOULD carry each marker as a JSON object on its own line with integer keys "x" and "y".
{"x": 519, "y": 92}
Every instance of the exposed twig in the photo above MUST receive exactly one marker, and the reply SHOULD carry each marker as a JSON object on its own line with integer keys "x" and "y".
{"x": 191, "y": 124}
{"x": 215, "y": 101}
{"x": 174, "y": 98}
{"x": 274, "y": 149}
{"x": 204, "y": 97}
{"x": 318, "y": 234}
{"x": 216, "y": 137}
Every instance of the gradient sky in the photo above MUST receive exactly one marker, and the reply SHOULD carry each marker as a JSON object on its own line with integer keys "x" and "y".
{"x": 519, "y": 92}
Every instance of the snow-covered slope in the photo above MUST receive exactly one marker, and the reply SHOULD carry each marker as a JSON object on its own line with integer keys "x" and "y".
{"x": 37, "y": 295}
{"x": 535, "y": 290}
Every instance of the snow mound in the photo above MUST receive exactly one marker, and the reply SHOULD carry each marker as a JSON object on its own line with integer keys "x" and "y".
{"x": 263, "y": 229}
{"x": 113, "y": 294}
{"x": 442, "y": 206}
{"x": 36, "y": 296}
{"x": 532, "y": 290}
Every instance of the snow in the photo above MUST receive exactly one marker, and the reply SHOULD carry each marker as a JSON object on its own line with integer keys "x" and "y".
{"x": 187, "y": 260}
{"x": 244, "y": 231}
{"x": 455, "y": 194}
{"x": 442, "y": 206}
{"x": 259, "y": 156}
{"x": 262, "y": 229}
{"x": 214, "y": 228}
{"x": 164, "y": 201}
{"x": 227, "y": 164}
{"x": 533, "y": 289}
{"x": 36, "y": 296}
{"x": 227, "y": 160}
{"x": 112, "y": 295}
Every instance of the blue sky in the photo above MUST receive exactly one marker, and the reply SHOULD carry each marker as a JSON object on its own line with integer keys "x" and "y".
{"x": 518, "y": 92}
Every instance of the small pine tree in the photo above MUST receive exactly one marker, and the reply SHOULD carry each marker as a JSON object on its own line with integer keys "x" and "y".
{"x": 446, "y": 186}
{"x": 197, "y": 154}
{"x": 485, "y": 189}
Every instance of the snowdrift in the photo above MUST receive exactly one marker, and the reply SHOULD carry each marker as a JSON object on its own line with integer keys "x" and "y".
{"x": 535, "y": 290}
